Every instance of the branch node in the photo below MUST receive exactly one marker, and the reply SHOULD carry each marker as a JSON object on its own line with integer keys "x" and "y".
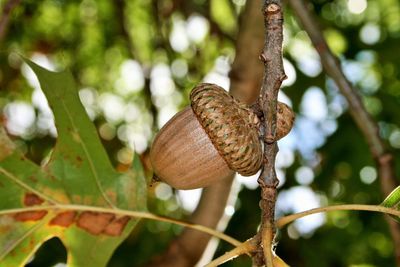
{"x": 269, "y": 139}
{"x": 264, "y": 57}
{"x": 385, "y": 158}
{"x": 272, "y": 9}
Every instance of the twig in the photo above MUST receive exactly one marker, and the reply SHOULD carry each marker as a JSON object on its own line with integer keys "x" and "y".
{"x": 384, "y": 160}
{"x": 267, "y": 236}
{"x": 245, "y": 248}
{"x": 290, "y": 218}
{"x": 274, "y": 74}
{"x": 5, "y": 16}
{"x": 248, "y": 247}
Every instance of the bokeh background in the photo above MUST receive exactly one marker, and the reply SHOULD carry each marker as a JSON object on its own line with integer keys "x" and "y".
{"x": 135, "y": 63}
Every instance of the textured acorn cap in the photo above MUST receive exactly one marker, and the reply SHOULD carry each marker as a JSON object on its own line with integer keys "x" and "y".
{"x": 232, "y": 127}
{"x": 208, "y": 141}
{"x": 284, "y": 120}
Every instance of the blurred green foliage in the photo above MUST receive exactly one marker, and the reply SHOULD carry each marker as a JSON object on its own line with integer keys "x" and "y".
{"x": 95, "y": 38}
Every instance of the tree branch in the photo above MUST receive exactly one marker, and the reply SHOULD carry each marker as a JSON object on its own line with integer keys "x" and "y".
{"x": 274, "y": 74}
{"x": 384, "y": 160}
{"x": 5, "y": 16}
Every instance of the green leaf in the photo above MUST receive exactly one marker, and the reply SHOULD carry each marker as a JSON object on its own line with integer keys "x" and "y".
{"x": 393, "y": 201}
{"x": 78, "y": 172}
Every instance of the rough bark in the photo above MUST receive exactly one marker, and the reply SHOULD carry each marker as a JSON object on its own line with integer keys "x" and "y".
{"x": 274, "y": 74}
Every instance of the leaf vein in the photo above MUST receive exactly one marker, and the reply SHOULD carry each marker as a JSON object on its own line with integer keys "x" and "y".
{"x": 25, "y": 235}
{"x": 90, "y": 160}
{"x": 26, "y": 186}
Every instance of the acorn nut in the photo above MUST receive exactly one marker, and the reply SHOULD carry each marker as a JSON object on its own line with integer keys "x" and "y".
{"x": 210, "y": 140}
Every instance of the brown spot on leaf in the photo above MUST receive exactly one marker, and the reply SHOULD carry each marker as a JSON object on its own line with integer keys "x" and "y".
{"x": 64, "y": 219}
{"x": 123, "y": 167}
{"x": 94, "y": 222}
{"x": 116, "y": 227}
{"x": 33, "y": 178}
{"x": 28, "y": 249}
{"x": 88, "y": 200}
{"x": 49, "y": 177}
{"x": 6, "y": 145}
{"x": 31, "y": 199}
{"x": 77, "y": 199}
{"x": 79, "y": 161}
{"x": 30, "y": 215}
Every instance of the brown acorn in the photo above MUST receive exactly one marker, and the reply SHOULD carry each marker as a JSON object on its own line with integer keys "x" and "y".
{"x": 210, "y": 140}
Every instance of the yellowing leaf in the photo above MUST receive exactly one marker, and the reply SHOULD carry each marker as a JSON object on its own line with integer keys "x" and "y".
{"x": 78, "y": 173}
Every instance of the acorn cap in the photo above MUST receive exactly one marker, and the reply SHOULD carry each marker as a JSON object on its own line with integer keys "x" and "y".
{"x": 284, "y": 120}
{"x": 232, "y": 127}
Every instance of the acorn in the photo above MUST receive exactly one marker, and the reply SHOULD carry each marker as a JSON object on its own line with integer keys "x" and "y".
{"x": 211, "y": 140}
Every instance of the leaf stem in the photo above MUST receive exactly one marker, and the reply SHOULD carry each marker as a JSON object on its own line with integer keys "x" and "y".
{"x": 136, "y": 214}
{"x": 267, "y": 236}
{"x": 244, "y": 248}
{"x": 290, "y": 218}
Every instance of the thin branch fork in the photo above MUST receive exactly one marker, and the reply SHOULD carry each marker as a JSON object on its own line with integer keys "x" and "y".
{"x": 274, "y": 74}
